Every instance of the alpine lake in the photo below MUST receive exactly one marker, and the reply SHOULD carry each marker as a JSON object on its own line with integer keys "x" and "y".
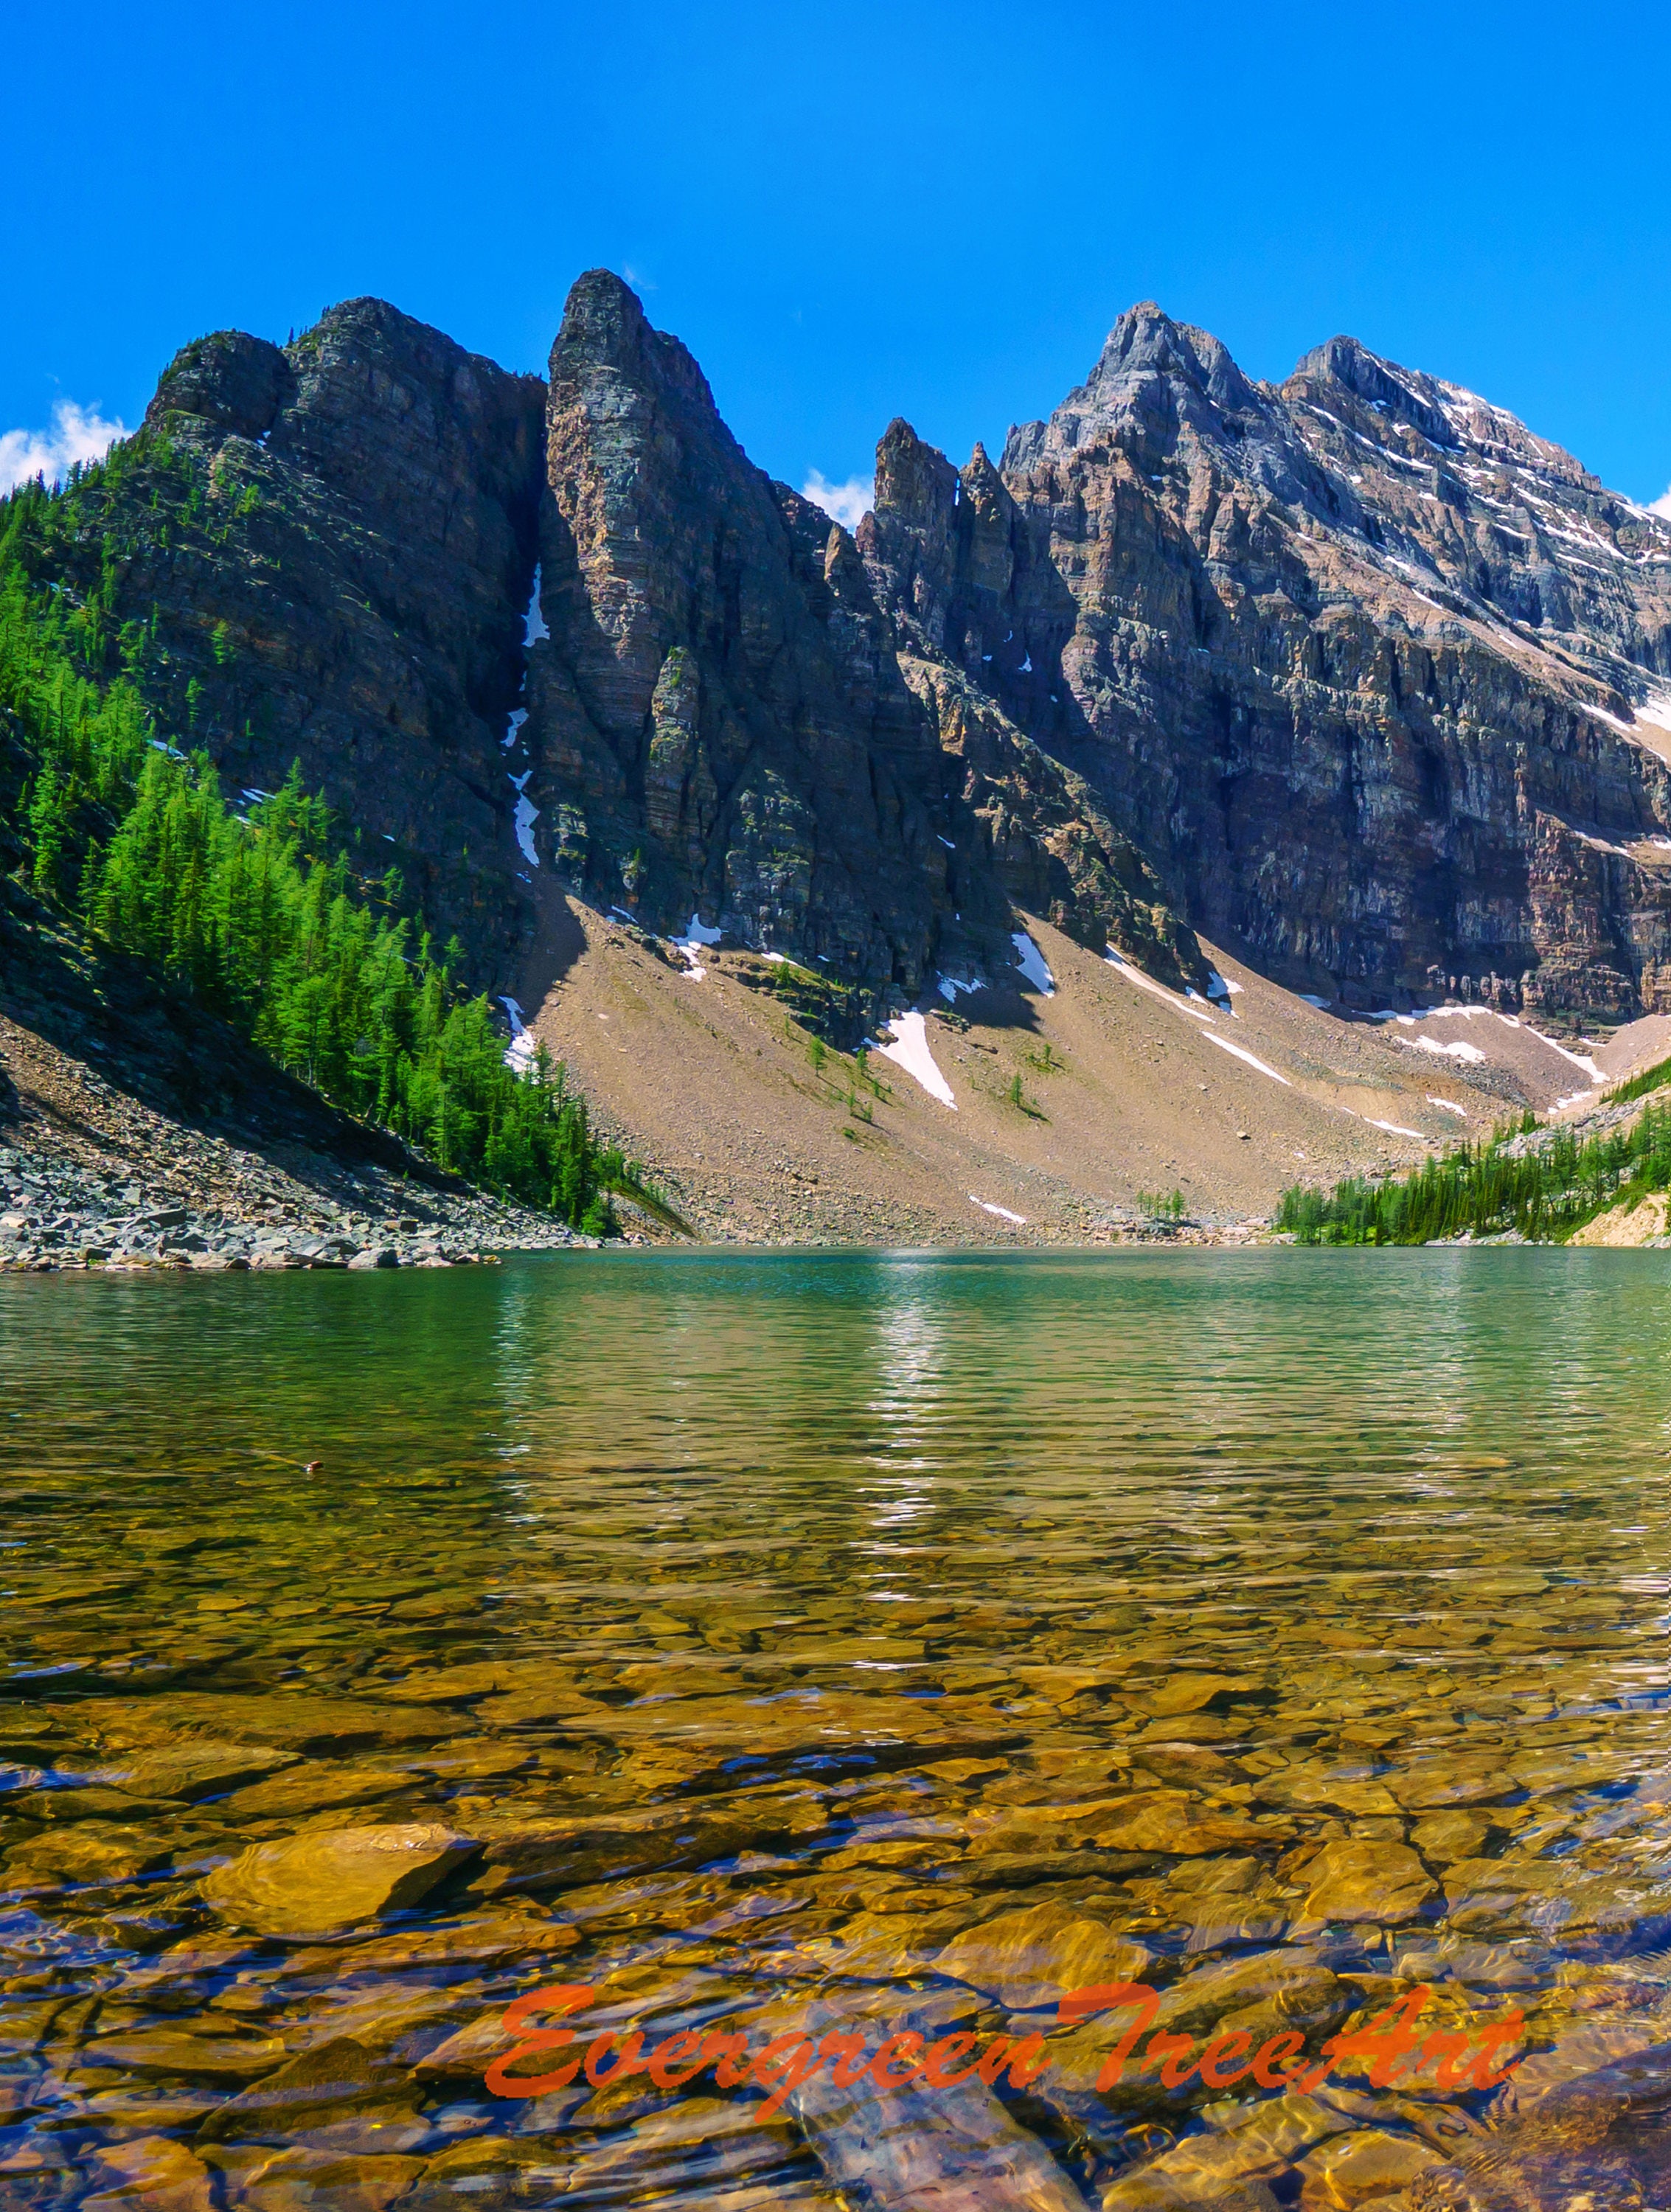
{"x": 878, "y": 1644}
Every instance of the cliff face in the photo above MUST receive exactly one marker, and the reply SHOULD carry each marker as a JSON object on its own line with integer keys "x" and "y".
{"x": 723, "y": 723}
{"x": 1379, "y": 681}
{"x": 1354, "y": 674}
{"x": 322, "y": 552}
{"x": 508, "y": 629}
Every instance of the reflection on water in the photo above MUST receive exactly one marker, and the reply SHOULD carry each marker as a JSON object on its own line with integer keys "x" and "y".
{"x": 880, "y": 1643}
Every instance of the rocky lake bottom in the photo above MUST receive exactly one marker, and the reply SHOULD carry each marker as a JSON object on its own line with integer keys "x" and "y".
{"x": 857, "y": 1649}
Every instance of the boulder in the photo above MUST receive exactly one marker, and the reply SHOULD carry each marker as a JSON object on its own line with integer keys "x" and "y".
{"x": 195, "y": 1770}
{"x": 1366, "y": 2166}
{"x": 1366, "y": 1879}
{"x": 150, "y": 2174}
{"x": 89, "y": 1851}
{"x": 326, "y": 1881}
{"x": 1027, "y": 1959}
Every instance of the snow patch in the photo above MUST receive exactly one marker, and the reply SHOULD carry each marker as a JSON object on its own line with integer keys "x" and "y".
{"x": 1220, "y": 986}
{"x": 522, "y": 1048}
{"x": 948, "y": 844}
{"x": 1032, "y": 962}
{"x": 533, "y": 622}
{"x": 908, "y": 1049}
{"x": 1657, "y": 710}
{"x": 519, "y": 716}
{"x": 1396, "y": 1129}
{"x": 949, "y": 987}
{"x": 697, "y": 935}
{"x": 1002, "y": 1211}
{"x": 1026, "y": 667}
{"x": 1448, "y": 1106}
{"x": 527, "y": 815}
{"x": 1133, "y": 974}
{"x": 1241, "y": 1053}
{"x": 1458, "y": 1048}
{"x": 1578, "y": 1059}
{"x": 1600, "y": 714}
{"x": 1312, "y": 1000}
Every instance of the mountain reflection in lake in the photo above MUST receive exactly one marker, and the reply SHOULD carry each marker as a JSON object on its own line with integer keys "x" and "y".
{"x": 883, "y": 1642}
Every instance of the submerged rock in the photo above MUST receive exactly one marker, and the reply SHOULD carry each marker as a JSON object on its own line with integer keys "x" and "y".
{"x": 151, "y": 2174}
{"x": 1599, "y": 2144}
{"x": 325, "y": 1882}
{"x": 1370, "y": 1879}
{"x": 1028, "y": 1958}
{"x": 196, "y": 1770}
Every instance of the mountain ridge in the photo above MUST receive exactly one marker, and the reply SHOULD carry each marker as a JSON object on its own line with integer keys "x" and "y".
{"x": 1351, "y": 674}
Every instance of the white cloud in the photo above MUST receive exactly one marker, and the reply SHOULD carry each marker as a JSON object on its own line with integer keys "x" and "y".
{"x": 1662, "y": 506}
{"x": 847, "y": 501}
{"x": 78, "y": 434}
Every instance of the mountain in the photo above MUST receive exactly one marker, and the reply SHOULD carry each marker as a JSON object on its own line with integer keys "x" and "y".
{"x": 321, "y": 552}
{"x": 1350, "y": 686}
{"x": 1379, "y": 681}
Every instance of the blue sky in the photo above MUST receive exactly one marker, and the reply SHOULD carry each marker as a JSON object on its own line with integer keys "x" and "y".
{"x": 855, "y": 212}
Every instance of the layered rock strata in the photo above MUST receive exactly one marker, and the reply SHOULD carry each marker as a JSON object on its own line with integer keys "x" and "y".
{"x": 1380, "y": 682}
{"x": 1353, "y": 674}
{"x": 320, "y": 553}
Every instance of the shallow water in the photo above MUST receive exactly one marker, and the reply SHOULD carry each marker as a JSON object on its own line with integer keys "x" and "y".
{"x": 771, "y": 1642}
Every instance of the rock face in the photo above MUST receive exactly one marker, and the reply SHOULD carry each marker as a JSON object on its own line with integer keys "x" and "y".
{"x": 1380, "y": 682}
{"x": 1354, "y": 674}
{"x": 322, "y": 552}
{"x": 724, "y": 725}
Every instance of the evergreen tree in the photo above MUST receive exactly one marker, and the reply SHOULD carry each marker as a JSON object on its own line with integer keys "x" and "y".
{"x": 262, "y": 917}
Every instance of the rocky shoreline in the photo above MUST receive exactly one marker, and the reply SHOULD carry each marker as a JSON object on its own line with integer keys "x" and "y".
{"x": 57, "y": 1214}
{"x": 93, "y": 1177}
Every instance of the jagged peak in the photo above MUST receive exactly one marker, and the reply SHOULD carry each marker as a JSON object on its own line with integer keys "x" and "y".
{"x": 983, "y": 488}
{"x": 603, "y": 310}
{"x": 1146, "y": 338}
{"x": 1347, "y": 362}
{"x": 914, "y": 479}
{"x": 1448, "y": 414}
{"x": 605, "y": 327}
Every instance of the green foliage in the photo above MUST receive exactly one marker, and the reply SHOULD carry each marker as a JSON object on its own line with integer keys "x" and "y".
{"x": 1161, "y": 1205}
{"x": 1546, "y": 1193}
{"x": 1016, "y": 1096}
{"x": 1651, "y": 1078}
{"x": 263, "y": 920}
{"x": 1046, "y": 1061}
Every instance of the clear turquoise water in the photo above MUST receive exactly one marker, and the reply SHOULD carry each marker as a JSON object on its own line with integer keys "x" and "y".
{"x": 1411, "y": 1507}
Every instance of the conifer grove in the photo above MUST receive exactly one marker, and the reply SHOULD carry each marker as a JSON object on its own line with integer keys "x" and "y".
{"x": 259, "y": 916}
{"x": 1545, "y": 1190}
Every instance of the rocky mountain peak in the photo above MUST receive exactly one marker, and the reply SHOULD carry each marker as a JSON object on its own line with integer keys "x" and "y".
{"x": 604, "y": 328}
{"x": 1345, "y": 366}
{"x": 235, "y": 382}
{"x": 1160, "y": 392}
{"x": 1147, "y": 343}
